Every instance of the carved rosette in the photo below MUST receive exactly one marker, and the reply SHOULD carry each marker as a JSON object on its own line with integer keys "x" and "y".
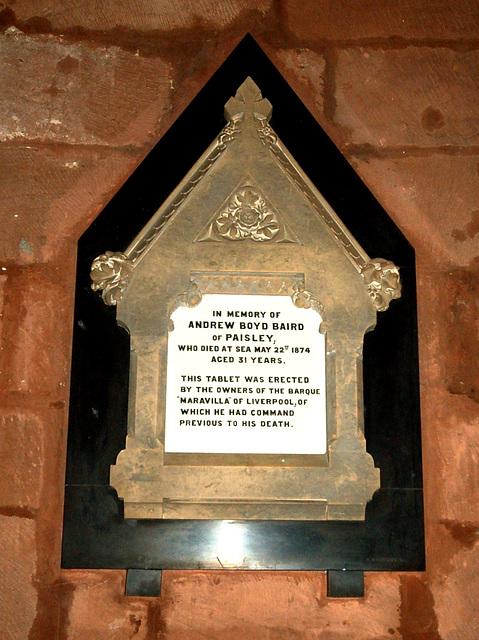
{"x": 382, "y": 281}
{"x": 247, "y": 216}
{"x": 110, "y": 273}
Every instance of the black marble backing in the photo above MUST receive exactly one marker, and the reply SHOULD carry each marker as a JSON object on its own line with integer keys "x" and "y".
{"x": 95, "y": 533}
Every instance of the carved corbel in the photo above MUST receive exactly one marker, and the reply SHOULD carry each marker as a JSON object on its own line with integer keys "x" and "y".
{"x": 111, "y": 273}
{"x": 382, "y": 281}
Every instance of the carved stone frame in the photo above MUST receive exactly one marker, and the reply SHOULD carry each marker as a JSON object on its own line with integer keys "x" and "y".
{"x": 154, "y": 486}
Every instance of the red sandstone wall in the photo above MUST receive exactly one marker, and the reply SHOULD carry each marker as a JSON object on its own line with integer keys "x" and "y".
{"x": 86, "y": 89}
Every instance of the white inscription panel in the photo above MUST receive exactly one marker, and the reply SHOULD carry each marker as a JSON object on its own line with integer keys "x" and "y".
{"x": 246, "y": 374}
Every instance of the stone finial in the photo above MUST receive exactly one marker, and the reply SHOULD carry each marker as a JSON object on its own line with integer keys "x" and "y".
{"x": 248, "y": 102}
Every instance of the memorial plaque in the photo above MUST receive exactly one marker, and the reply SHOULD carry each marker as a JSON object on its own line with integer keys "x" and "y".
{"x": 245, "y": 221}
{"x": 246, "y": 374}
{"x": 247, "y": 301}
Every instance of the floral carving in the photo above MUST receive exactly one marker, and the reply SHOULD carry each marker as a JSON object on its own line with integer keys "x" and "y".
{"x": 265, "y": 132}
{"x": 247, "y": 216}
{"x": 382, "y": 282}
{"x": 110, "y": 273}
{"x": 305, "y": 300}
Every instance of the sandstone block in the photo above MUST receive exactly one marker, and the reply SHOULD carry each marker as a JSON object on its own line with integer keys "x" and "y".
{"x": 18, "y": 596}
{"x": 448, "y": 328}
{"x": 275, "y": 605}
{"x": 36, "y": 335}
{"x": 455, "y": 605}
{"x": 54, "y": 193}
{"x": 418, "y": 617}
{"x": 145, "y": 16}
{"x": 461, "y": 328}
{"x": 21, "y": 460}
{"x": 98, "y": 608}
{"x": 352, "y": 20}
{"x": 450, "y": 434}
{"x": 422, "y": 97}
{"x": 433, "y": 199}
{"x": 304, "y": 70}
{"x": 75, "y": 93}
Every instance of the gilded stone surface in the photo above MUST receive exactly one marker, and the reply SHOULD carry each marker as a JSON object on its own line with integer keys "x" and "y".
{"x": 238, "y": 220}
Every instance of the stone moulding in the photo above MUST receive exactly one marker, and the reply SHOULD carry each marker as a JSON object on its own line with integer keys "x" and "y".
{"x": 219, "y": 232}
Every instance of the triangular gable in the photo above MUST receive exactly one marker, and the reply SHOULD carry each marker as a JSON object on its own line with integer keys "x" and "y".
{"x": 248, "y": 124}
